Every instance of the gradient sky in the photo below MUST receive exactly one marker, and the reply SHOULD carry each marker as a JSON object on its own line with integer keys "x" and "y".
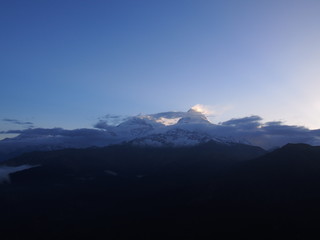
{"x": 67, "y": 63}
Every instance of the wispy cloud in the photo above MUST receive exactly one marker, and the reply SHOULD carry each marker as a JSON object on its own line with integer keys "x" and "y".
{"x": 204, "y": 109}
{"x": 54, "y": 132}
{"x": 244, "y": 123}
{"x": 18, "y": 122}
{"x": 211, "y": 111}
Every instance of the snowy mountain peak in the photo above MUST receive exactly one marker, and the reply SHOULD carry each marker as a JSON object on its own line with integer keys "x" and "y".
{"x": 160, "y": 129}
{"x": 194, "y": 117}
{"x": 194, "y": 111}
{"x": 172, "y": 138}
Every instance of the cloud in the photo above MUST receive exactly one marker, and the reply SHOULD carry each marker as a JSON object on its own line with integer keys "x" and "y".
{"x": 204, "y": 109}
{"x": 277, "y": 128}
{"x": 110, "y": 120}
{"x": 169, "y": 115}
{"x": 249, "y": 129}
{"x": 251, "y": 122}
{"x": 44, "y": 139}
{"x": 211, "y": 111}
{"x": 17, "y": 122}
{"x": 101, "y": 125}
{"x": 267, "y": 135}
{"x": 56, "y": 132}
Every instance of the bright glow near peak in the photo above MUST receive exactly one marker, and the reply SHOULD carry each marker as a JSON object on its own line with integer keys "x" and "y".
{"x": 203, "y": 109}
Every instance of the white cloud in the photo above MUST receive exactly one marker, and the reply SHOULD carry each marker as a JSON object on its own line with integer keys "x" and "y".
{"x": 204, "y": 109}
{"x": 212, "y": 111}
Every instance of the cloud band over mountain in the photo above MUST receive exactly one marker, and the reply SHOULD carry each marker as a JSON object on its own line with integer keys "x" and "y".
{"x": 114, "y": 129}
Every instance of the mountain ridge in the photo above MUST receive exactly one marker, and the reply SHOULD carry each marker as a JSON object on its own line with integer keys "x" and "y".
{"x": 134, "y": 129}
{"x": 190, "y": 128}
{"x": 201, "y": 190}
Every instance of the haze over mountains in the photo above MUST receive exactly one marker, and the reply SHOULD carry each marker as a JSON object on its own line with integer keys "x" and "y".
{"x": 160, "y": 129}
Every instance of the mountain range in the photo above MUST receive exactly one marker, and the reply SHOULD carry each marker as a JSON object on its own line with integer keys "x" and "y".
{"x": 161, "y": 176}
{"x": 161, "y": 129}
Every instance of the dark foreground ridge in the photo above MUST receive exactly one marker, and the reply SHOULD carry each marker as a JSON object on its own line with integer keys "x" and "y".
{"x": 124, "y": 192}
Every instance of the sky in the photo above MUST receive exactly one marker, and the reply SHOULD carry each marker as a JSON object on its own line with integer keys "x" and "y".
{"x": 67, "y": 63}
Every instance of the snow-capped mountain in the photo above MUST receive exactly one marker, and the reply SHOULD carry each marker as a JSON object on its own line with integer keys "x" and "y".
{"x": 160, "y": 129}
{"x": 160, "y": 123}
{"x": 180, "y": 137}
{"x": 169, "y": 129}
{"x": 172, "y": 138}
{"x": 193, "y": 117}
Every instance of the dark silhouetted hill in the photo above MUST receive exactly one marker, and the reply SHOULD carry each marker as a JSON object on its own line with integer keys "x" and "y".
{"x": 120, "y": 192}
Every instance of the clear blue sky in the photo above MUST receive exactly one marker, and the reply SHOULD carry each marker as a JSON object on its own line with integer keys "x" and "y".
{"x": 66, "y": 63}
